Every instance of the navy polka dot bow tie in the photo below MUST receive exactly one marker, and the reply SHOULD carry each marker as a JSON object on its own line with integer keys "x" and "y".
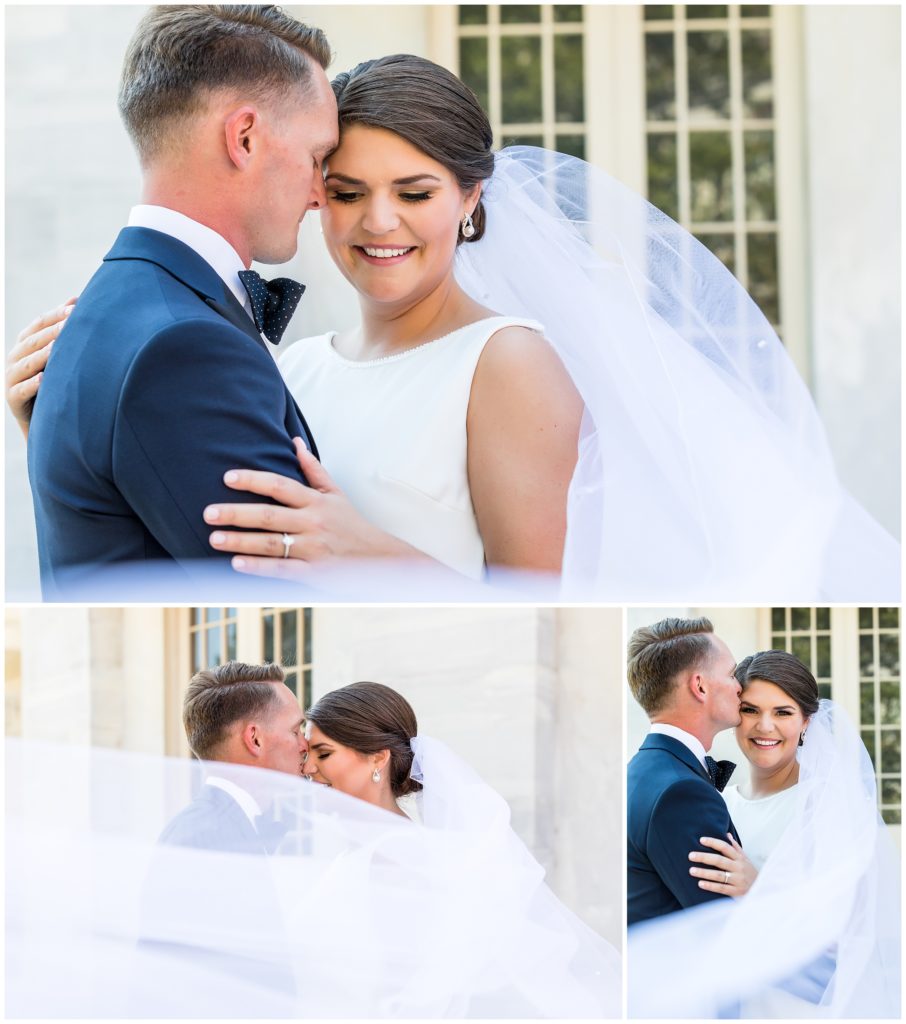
{"x": 273, "y": 302}
{"x": 720, "y": 771}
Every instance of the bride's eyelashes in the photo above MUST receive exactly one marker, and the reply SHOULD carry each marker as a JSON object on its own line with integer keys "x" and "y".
{"x": 408, "y": 197}
{"x": 747, "y": 709}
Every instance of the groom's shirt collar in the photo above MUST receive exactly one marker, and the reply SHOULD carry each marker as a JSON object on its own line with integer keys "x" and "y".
{"x": 213, "y": 248}
{"x": 242, "y": 797}
{"x": 692, "y": 742}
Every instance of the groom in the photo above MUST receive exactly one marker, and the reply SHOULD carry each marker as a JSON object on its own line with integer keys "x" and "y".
{"x": 166, "y": 380}
{"x": 682, "y": 675}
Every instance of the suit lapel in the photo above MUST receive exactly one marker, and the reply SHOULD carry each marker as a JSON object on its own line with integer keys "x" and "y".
{"x": 658, "y": 741}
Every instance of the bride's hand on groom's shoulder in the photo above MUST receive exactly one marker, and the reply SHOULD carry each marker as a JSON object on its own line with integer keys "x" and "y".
{"x": 727, "y": 871}
{"x": 27, "y": 359}
{"x": 317, "y": 523}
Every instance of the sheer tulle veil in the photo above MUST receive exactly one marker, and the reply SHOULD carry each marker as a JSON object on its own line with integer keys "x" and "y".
{"x": 704, "y": 470}
{"x": 820, "y": 927}
{"x": 353, "y": 912}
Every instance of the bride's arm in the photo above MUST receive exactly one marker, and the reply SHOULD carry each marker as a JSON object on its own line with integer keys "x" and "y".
{"x": 523, "y": 434}
{"x": 27, "y": 359}
{"x": 729, "y": 871}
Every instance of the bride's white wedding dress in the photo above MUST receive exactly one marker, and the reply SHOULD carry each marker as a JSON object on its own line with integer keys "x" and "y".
{"x": 392, "y": 433}
{"x": 818, "y": 934}
{"x": 357, "y": 913}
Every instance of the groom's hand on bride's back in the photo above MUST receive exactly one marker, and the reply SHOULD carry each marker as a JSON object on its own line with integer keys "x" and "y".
{"x": 27, "y": 359}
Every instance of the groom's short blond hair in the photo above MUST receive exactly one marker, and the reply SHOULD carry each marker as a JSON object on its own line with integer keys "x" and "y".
{"x": 218, "y": 698}
{"x": 658, "y": 653}
{"x": 181, "y": 53}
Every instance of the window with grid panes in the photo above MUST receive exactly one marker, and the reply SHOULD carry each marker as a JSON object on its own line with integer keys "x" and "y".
{"x": 286, "y": 639}
{"x": 879, "y": 703}
{"x": 806, "y": 632}
{"x": 212, "y": 636}
{"x": 710, "y": 135}
{"x": 526, "y": 65}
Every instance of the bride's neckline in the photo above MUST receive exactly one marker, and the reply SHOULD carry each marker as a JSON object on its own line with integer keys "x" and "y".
{"x": 396, "y": 356}
{"x": 763, "y": 799}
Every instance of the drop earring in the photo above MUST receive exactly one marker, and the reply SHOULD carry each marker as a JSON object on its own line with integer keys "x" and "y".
{"x": 375, "y": 776}
{"x": 467, "y": 227}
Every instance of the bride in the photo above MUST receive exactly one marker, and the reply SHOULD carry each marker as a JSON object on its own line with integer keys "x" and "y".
{"x": 818, "y": 933}
{"x": 549, "y": 374}
{"x": 136, "y": 902}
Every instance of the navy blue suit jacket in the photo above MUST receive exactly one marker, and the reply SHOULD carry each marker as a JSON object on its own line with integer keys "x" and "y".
{"x": 671, "y": 804}
{"x": 160, "y": 383}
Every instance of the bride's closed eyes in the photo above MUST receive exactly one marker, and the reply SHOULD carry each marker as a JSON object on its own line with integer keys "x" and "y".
{"x": 351, "y": 197}
{"x": 751, "y": 709}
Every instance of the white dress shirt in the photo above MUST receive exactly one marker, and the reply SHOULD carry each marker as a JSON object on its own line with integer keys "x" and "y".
{"x": 242, "y": 797}
{"x": 686, "y": 738}
{"x": 210, "y": 246}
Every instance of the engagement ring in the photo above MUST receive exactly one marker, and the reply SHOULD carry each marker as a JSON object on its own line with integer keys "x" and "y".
{"x": 288, "y": 542}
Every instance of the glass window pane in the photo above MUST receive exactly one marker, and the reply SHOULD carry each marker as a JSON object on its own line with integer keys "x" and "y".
{"x": 215, "y": 651}
{"x": 723, "y": 247}
{"x": 658, "y": 12}
{"x": 267, "y": 627}
{"x": 867, "y": 703}
{"x": 520, "y": 14}
{"x": 306, "y": 635}
{"x": 473, "y": 14}
{"x": 891, "y": 791}
{"x": 520, "y": 58}
{"x": 891, "y": 816}
{"x": 709, "y": 74}
{"x": 662, "y": 176}
{"x": 778, "y": 643}
{"x": 198, "y": 658}
{"x": 292, "y": 681}
{"x": 660, "y": 83}
{"x": 231, "y": 613}
{"x": 889, "y": 654}
{"x": 473, "y": 67}
{"x": 305, "y": 696}
{"x": 754, "y": 10}
{"x": 890, "y": 750}
{"x": 763, "y": 278}
{"x": 194, "y": 616}
{"x": 890, "y": 703}
{"x": 822, "y": 618}
{"x": 706, "y": 11}
{"x": 288, "y": 647}
{"x": 823, "y": 656}
{"x": 866, "y": 656}
{"x": 801, "y": 618}
{"x": 888, "y": 618}
{"x": 212, "y": 614}
{"x": 569, "y": 79}
{"x": 567, "y": 12}
{"x": 778, "y": 619}
{"x": 572, "y": 145}
{"x": 868, "y": 738}
{"x": 865, "y": 618}
{"x": 711, "y": 176}
{"x": 824, "y": 691}
{"x": 757, "y": 80}
{"x": 231, "y": 641}
{"x": 760, "y": 189}
{"x": 522, "y": 140}
{"x": 801, "y": 646}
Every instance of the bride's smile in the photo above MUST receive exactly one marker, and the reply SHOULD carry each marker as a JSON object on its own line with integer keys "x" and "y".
{"x": 770, "y": 725}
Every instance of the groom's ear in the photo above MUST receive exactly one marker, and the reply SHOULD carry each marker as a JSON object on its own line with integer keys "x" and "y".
{"x": 240, "y": 135}
{"x": 251, "y": 739}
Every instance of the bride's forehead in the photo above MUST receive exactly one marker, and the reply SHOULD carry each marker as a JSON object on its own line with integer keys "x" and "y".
{"x": 374, "y": 148}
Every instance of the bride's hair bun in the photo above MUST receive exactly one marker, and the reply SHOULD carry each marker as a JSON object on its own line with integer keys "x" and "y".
{"x": 369, "y": 717}
{"x": 429, "y": 107}
{"x": 784, "y": 670}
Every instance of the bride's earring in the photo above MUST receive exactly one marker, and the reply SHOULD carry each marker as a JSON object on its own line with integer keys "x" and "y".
{"x": 802, "y": 739}
{"x": 467, "y": 227}
{"x": 375, "y": 776}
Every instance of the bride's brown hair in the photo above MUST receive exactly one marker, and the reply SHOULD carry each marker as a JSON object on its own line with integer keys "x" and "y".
{"x": 429, "y": 107}
{"x": 784, "y": 670}
{"x": 368, "y": 718}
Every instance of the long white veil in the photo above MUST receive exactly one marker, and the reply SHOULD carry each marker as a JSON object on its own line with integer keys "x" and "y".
{"x": 704, "y": 470}
{"x": 819, "y": 929}
{"x": 349, "y": 911}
